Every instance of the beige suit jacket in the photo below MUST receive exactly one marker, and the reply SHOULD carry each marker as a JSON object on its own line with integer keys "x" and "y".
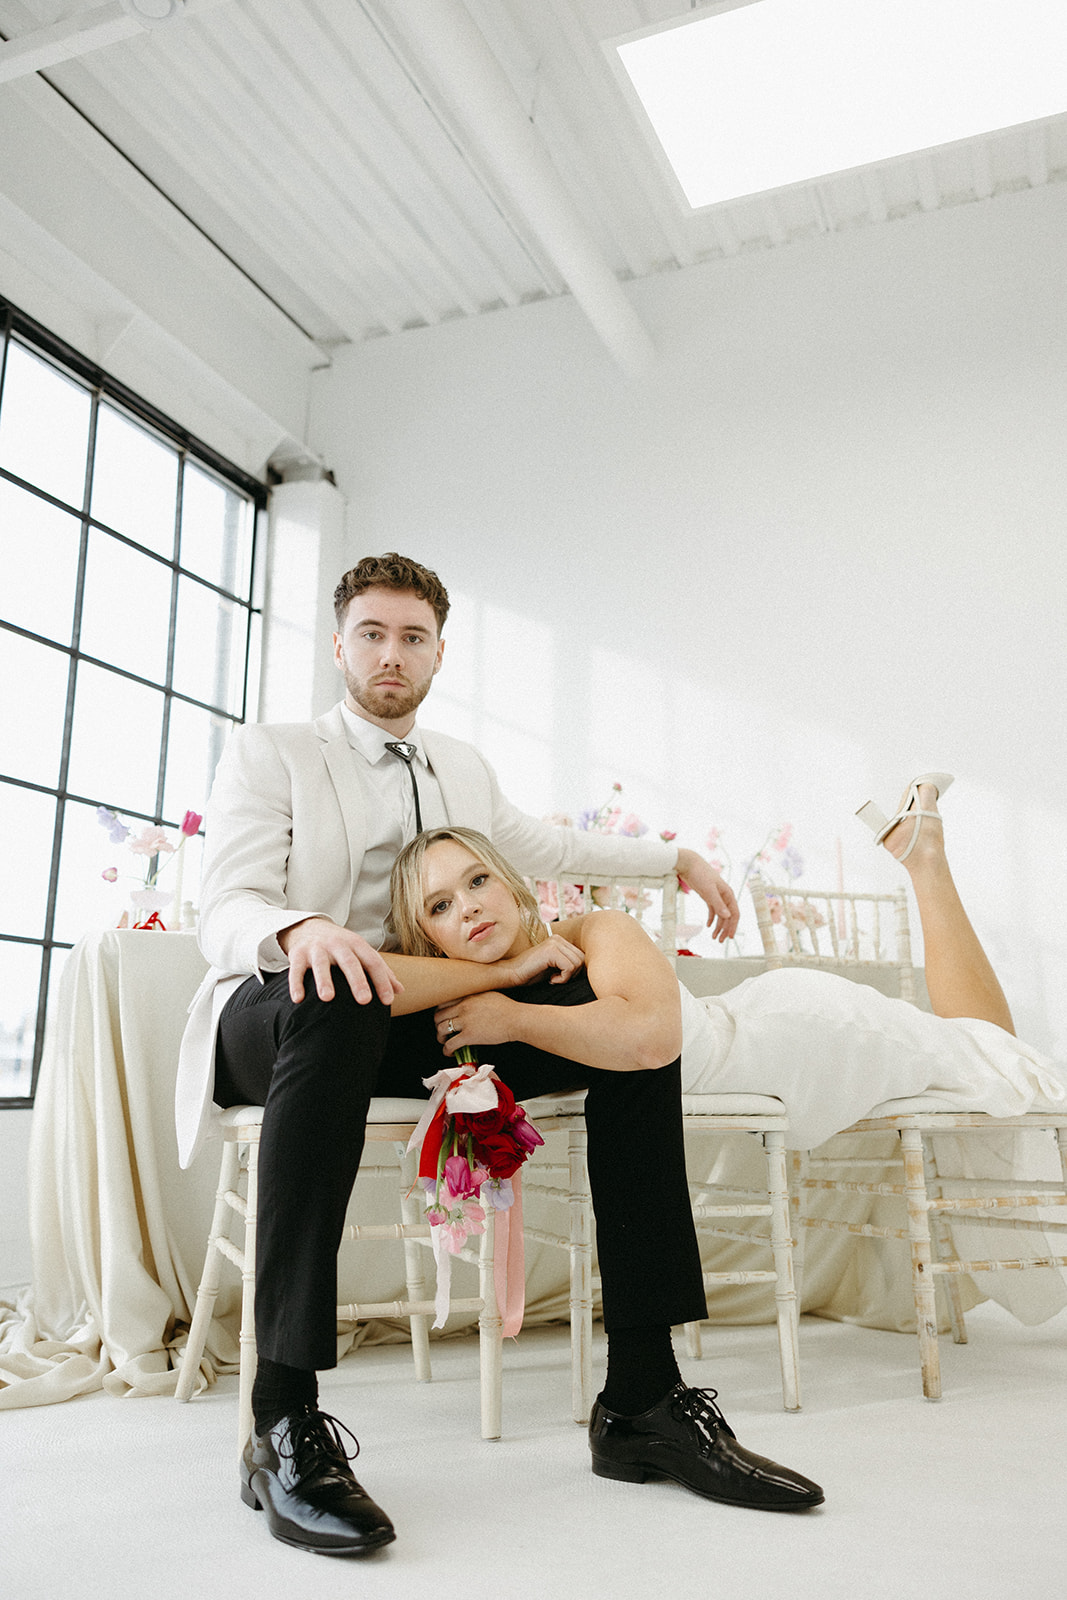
{"x": 285, "y": 839}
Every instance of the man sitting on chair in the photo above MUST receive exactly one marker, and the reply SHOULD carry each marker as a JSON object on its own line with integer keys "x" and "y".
{"x": 303, "y": 1015}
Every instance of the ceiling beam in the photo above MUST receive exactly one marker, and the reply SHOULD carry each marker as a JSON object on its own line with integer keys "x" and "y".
{"x": 453, "y": 54}
{"x": 89, "y": 30}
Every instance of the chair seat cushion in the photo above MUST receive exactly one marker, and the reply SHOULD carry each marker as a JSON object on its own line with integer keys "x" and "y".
{"x": 555, "y": 1105}
{"x": 731, "y": 1105}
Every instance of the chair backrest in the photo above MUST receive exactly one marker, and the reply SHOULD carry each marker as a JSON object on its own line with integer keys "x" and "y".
{"x": 832, "y": 927}
{"x": 652, "y": 901}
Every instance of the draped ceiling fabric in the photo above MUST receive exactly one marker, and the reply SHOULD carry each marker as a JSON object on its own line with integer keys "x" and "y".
{"x": 118, "y": 1229}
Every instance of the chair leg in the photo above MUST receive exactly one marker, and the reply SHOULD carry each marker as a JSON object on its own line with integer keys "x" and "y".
{"x": 785, "y": 1294}
{"x": 414, "y": 1258}
{"x": 799, "y": 1168}
{"x": 941, "y": 1235}
{"x": 209, "y": 1281}
{"x": 922, "y": 1277}
{"x": 581, "y": 1264}
{"x": 248, "y": 1302}
{"x": 490, "y": 1333}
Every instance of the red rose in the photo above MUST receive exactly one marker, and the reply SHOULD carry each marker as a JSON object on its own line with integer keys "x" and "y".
{"x": 480, "y": 1123}
{"x": 500, "y": 1153}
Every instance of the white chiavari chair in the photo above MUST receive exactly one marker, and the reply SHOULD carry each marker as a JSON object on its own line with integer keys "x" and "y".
{"x": 887, "y": 1165}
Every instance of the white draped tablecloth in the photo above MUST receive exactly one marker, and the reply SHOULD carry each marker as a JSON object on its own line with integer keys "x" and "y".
{"x": 118, "y": 1229}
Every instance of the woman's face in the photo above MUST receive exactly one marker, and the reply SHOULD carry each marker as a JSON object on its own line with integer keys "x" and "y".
{"x": 467, "y": 910}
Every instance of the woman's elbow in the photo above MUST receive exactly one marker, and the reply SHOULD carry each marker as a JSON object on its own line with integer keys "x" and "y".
{"x": 659, "y": 1048}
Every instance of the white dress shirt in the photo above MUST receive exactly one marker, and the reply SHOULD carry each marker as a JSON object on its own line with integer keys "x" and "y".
{"x": 390, "y": 812}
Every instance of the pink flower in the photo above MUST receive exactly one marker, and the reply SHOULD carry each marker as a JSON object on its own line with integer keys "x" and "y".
{"x": 667, "y": 835}
{"x": 150, "y": 841}
{"x": 460, "y": 1178}
{"x": 714, "y": 835}
{"x": 631, "y": 826}
{"x": 191, "y": 823}
{"x": 784, "y": 837}
{"x": 110, "y": 874}
{"x": 548, "y": 901}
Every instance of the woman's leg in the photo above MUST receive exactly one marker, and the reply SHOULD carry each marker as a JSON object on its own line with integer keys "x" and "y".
{"x": 959, "y": 978}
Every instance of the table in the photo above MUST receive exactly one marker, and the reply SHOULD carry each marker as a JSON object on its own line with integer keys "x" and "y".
{"x": 118, "y": 1230}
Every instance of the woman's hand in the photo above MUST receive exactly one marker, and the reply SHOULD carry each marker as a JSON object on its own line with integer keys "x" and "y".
{"x": 479, "y": 1019}
{"x": 554, "y": 951}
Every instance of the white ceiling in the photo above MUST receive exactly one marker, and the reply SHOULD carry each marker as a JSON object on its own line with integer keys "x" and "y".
{"x": 377, "y": 165}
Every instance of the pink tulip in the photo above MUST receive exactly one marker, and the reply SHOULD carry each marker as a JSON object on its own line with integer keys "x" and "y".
{"x": 524, "y": 1133}
{"x": 459, "y": 1177}
{"x": 191, "y": 823}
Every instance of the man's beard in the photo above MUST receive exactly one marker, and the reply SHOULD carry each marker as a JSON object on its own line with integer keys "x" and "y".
{"x": 387, "y": 704}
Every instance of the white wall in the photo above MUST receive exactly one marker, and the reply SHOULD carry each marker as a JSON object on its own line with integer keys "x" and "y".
{"x": 14, "y": 1206}
{"x": 817, "y": 548}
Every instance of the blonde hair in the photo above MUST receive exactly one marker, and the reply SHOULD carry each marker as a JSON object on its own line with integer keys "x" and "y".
{"x": 406, "y": 893}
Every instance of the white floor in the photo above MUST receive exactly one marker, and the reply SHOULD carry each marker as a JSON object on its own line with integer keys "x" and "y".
{"x": 125, "y": 1500}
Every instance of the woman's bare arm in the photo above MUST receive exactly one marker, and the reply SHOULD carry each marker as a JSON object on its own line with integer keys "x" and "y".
{"x": 429, "y": 981}
{"x": 635, "y": 1022}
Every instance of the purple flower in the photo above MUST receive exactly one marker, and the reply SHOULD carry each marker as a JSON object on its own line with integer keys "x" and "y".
{"x": 498, "y": 1194}
{"x": 523, "y": 1132}
{"x": 116, "y": 829}
{"x": 588, "y": 818}
{"x": 792, "y": 861}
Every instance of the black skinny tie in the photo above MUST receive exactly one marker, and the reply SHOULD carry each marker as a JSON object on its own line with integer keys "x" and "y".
{"x": 407, "y": 754}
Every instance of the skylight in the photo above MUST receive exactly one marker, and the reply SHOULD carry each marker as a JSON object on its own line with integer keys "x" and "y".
{"x": 772, "y": 92}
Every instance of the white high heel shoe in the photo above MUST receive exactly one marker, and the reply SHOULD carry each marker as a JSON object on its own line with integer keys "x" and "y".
{"x": 881, "y": 825}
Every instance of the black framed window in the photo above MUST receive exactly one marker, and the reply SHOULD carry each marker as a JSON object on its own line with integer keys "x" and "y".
{"x": 129, "y": 642}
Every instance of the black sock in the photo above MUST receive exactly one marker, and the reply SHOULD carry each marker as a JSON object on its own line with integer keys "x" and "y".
{"x": 279, "y": 1390}
{"x": 641, "y": 1369}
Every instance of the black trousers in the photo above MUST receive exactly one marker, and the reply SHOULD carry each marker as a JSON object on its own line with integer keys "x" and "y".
{"x": 314, "y": 1068}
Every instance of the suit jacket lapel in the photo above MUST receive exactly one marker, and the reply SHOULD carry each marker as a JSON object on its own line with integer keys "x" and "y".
{"x": 344, "y": 775}
{"x": 464, "y": 784}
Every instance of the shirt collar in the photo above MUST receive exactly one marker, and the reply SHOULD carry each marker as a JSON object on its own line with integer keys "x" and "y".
{"x": 370, "y": 740}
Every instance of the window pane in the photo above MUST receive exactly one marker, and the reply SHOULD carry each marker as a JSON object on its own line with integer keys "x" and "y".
{"x": 135, "y": 482}
{"x": 216, "y": 531}
{"x": 209, "y": 646}
{"x": 33, "y": 701}
{"x": 44, "y": 426}
{"x": 36, "y": 537}
{"x": 193, "y": 750}
{"x": 114, "y": 753}
{"x": 126, "y": 615}
{"x": 27, "y": 822}
{"x": 20, "y": 979}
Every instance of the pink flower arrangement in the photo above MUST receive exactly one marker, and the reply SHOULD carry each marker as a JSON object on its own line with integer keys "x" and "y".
{"x": 153, "y": 842}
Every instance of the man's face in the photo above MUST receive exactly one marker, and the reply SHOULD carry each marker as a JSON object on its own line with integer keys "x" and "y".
{"x": 389, "y": 652}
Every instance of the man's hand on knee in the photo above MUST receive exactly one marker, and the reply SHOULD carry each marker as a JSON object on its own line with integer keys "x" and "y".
{"x": 316, "y": 945}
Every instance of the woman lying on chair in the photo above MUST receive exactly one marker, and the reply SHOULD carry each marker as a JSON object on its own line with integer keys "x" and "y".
{"x": 832, "y": 1050}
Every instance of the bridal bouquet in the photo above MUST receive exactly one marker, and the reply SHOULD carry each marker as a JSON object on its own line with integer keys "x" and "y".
{"x": 472, "y": 1140}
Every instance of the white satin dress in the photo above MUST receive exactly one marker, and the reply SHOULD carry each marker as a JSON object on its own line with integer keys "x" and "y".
{"x": 835, "y": 1051}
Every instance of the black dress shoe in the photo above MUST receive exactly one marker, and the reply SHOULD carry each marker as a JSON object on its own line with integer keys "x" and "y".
{"x": 298, "y": 1473}
{"x": 687, "y": 1438}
